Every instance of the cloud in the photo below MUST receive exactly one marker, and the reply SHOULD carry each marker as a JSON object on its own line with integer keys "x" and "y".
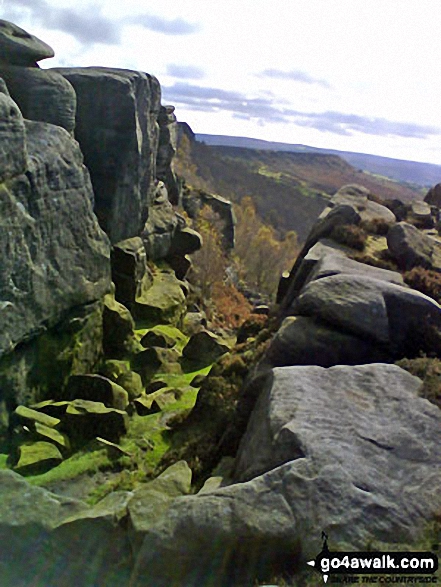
{"x": 175, "y": 26}
{"x": 294, "y": 75}
{"x": 185, "y": 71}
{"x": 267, "y": 110}
{"x": 87, "y": 26}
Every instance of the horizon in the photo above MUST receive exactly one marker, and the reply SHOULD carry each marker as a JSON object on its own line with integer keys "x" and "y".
{"x": 338, "y": 74}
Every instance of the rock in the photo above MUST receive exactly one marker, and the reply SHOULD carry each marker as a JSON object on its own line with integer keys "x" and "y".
{"x": 204, "y": 348}
{"x": 433, "y": 196}
{"x": 166, "y": 151}
{"x": 113, "y": 368}
{"x": 151, "y": 501}
{"x": 130, "y": 272}
{"x": 13, "y": 153}
{"x": 159, "y": 339}
{"x": 194, "y": 200}
{"x": 3, "y": 87}
{"x": 297, "y": 278}
{"x": 155, "y": 402}
{"x": 194, "y": 322}
{"x": 50, "y": 533}
{"x": 421, "y": 214}
{"x": 161, "y": 225}
{"x": 376, "y": 310}
{"x": 198, "y": 380}
{"x": 56, "y": 409}
{"x": 358, "y": 197}
{"x": 132, "y": 383}
{"x": 117, "y": 130}
{"x": 411, "y": 248}
{"x": 52, "y": 435}
{"x": 41, "y": 94}
{"x": 97, "y": 388}
{"x": 324, "y": 447}
{"x": 118, "y": 329}
{"x": 30, "y": 417}
{"x": 35, "y": 457}
{"x": 336, "y": 264}
{"x": 39, "y": 369}
{"x": 85, "y": 420}
{"x": 156, "y": 359}
{"x": 304, "y": 341}
{"x": 185, "y": 241}
{"x": 55, "y": 257}
{"x": 21, "y": 48}
{"x": 180, "y": 265}
{"x": 163, "y": 303}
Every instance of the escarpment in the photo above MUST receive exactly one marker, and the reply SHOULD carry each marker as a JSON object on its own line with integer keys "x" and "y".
{"x": 137, "y": 446}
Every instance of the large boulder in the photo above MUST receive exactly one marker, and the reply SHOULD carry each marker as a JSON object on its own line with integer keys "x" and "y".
{"x": 204, "y": 348}
{"x": 55, "y": 256}
{"x": 304, "y": 341}
{"x": 18, "y": 47}
{"x": 164, "y": 302}
{"x": 41, "y": 94}
{"x": 373, "y": 309}
{"x": 13, "y": 152}
{"x": 118, "y": 329}
{"x": 130, "y": 272}
{"x": 116, "y": 126}
{"x": 359, "y": 198}
{"x": 351, "y": 451}
{"x": 161, "y": 225}
{"x": 411, "y": 248}
{"x": 98, "y": 389}
{"x": 433, "y": 196}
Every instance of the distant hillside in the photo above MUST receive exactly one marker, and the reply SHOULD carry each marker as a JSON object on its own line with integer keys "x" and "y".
{"x": 421, "y": 174}
{"x": 289, "y": 189}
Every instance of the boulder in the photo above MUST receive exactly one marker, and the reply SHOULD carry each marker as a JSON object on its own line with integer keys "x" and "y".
{"x": 52, "y": 435}
{"x": 433, "y": 196}
{"x": 194, "y": 322}
{"x": 151, "y": 500}
{"x": 358, "y": 197}
{"x": 132, "y": 383}
{"x": 13, "y": 153}
{"x": 304, "y": 341}
{"x": 411, "y": 248}
{"x": 421, "y": 214}
{"x": 55, "y": 256}
{"x": 204, "y": 348}
{"x": 118, "y": 329}
{"x": 41, "y": 94}
{"x": 85, "y": 420}
{"x": 161, "y": 225}
{"x": 351, "y": 451}
{"x": 375, "y": 310}
{"x": 337, "y": 264}
{"x": 30, "y": 417}
{"x": 18, "y": 47}
{"x": 166, "y": 150}
{"x": 159, "y": 339}
{"x": 156, "y": 359}
{"x": 163, "y": 303}
{"x": 155, "y": 402}
{"x": 185, "y": 241}
{"x": 97, "y": 388}
{"x": 130, "y": 272}
{"x": 35, "y": 457}
{"x": 117, "y": 130}
{"x": 113, "y": 368}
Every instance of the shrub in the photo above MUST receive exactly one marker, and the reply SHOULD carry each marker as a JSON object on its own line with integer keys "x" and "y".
{"x": 426, "y": 281}
{"x": 376, "y": 226}
{"x": 350, "y": 235}
{"x": 429, "y": 370}
{"x": 383, "y": 260}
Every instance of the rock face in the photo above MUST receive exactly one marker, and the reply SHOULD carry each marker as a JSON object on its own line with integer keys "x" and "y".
{"x": 21, "y": 48}
{"x": 13, "y": 153}
{"x": 340, "y": 450}
{"x": 116, "y": 126}
{"x": 55, "y": 256}
{"x": 41, "y": 94}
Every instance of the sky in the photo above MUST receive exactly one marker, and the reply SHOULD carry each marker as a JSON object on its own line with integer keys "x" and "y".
{"x": 354, "y": 75}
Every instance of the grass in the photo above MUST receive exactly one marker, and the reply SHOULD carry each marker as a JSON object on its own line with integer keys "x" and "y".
{"x": 78, "y": 464}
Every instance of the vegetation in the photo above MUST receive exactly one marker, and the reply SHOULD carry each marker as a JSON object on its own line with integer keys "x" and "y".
{"x": 350, "y": 235}
{"x": 426, "y": 281}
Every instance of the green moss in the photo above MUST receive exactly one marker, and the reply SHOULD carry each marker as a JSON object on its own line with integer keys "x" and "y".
{"x": 78, "y": 464}
{"x": 3, "y": 461}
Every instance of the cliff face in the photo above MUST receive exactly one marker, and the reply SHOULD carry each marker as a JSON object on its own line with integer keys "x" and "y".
{"x": 62, "y": 213}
